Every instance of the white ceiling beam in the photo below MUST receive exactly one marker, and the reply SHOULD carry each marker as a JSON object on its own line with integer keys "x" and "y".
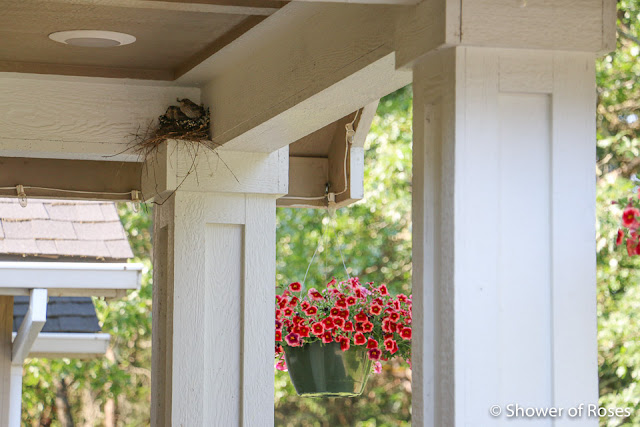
{"x": 306, "y": 66}
{"x": 79, "y": 118}
{"x": 72, "y": 345}
{"x": 69, "y": 278}
{"x": 31, "y": 325}
{"x": 176, "y": 165}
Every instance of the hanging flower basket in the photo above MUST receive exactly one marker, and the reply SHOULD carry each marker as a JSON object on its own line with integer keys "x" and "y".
{"x": 324, "y": 370}
{"x": 330, "y": 340}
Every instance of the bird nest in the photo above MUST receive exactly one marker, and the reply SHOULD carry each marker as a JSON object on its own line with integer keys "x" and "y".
{"x": 189, "y": 123}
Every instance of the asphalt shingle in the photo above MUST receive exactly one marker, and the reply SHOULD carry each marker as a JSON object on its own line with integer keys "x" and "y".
{"x": 11, "y": 209}
{"x": 62, "y": 228}
{"x": 64, "y": 314}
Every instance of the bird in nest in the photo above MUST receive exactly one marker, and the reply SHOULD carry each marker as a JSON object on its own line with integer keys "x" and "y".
{"x": 174, "y": 113}
{"x": 190, "y": 108}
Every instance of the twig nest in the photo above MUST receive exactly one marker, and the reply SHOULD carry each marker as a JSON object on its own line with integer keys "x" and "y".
{"x": 188, "y": 122}
{"x": 184, "y": 120}
{"x": 185, "y": 124}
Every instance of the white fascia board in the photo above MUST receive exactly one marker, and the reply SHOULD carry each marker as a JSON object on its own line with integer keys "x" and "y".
{"x": 68, "y": 278}
{"x": 69, "y": 345}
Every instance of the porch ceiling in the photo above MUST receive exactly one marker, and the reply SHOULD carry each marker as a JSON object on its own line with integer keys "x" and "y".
{"x": 172, "y": 37}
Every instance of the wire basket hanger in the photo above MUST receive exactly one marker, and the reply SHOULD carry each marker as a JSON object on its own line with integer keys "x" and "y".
{"x": 331, "y": 216}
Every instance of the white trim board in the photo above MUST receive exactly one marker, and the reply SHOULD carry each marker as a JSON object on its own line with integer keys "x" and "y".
{"x": 69, "y": 278}
{"x": 71, "y": 345}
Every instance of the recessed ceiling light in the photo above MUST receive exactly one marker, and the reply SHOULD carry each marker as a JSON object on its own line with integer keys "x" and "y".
{"x": 92, "y": 38}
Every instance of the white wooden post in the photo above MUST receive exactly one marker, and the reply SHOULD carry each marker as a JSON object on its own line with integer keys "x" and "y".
{"x": 30, "y": 327}
{"x": 214, "y": 290}
{"x": 504, "y": 251}
{"x": 15, "y": 410}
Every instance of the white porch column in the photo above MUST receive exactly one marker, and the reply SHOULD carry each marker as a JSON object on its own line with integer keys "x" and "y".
{"x": 214, "y": 290}
{"x": 504, "y": 250}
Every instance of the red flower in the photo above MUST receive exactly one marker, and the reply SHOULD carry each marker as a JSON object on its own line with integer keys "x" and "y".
{"x": 375, "y": 309}
{"x": 328, "y": 323}
{"x": 342, "y": 303}
{"x": 278, "y": 314}
{"x": 406, "y": 333}
{"x": 361, "y": 317}
{"x": 287, "y": 311}
{"x": 359, "y": 339}
{"x": 338, "y": 321}
{"x": 279, "y": 349}
{"x": 629, "y": 217}
{"x": 332, "y": 282}
{"x": 293, "y": 339}
{"x": 295, "y": 287}
{"x": 335, "y": 311}
{"x": 281, "y": 365}
{"x": 367, "y": 327}
{"x": 294, "y": 301}
{"x": 305, "y": 305}
{"x": 391, "y": 346}
{"x": 317, "y": 329}
{"x": 327, "y": 337}
{"x": 402, "y": 298}
{"x": 359, "y": 327}
{"x": 311, "y": 311}
{"x": 383, "y": 290}
{"x": 314, "y": 295}
{"x": 278, "y": 335}
{"x": 344, "y": 343}
{"x": 394, "y": 316}
{"x": 388, "y": 325}
{"x": 304, "y": 331}
{"x": 619, "y": 238}
{"x": 351, "y": 300}
{"x": 344, "y": 313}
{"x": 374, "y": 353}
{"x": 371, "y": 343}
{"x": 388, "y": 343}
{"x": 348, "y": 327}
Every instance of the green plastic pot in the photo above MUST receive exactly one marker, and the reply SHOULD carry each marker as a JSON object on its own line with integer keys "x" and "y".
{"x": 323, "y": 370}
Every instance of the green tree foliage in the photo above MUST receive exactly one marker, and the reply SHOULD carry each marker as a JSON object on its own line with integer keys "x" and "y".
{"x": 618, "y": 153}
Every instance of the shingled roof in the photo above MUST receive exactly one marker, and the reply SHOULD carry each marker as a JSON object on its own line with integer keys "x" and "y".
{"x": 64, "y": 314}
{"x": 62, "y": 229}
